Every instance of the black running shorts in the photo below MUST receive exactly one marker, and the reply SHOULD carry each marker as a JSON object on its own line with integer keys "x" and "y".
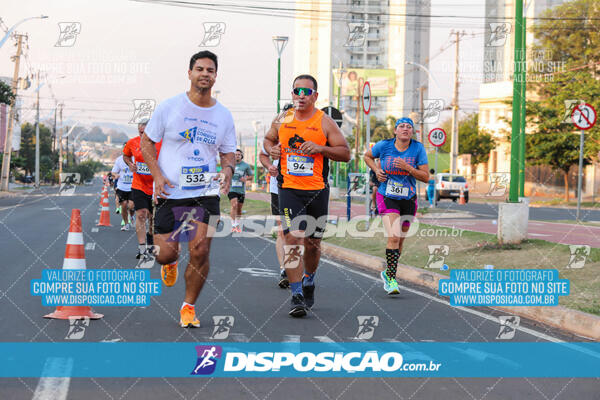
{"x": 123, "y": 196}
{"x": 141, "y": 200}
{"x": 171, "y": 212}
{"x": 304, "y": 210}
{"x": 274, "y": 204}
{"x": 236, "y": 195}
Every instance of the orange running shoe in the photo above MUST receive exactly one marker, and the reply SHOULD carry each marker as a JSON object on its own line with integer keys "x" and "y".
{"x": 168, "y": 273}
{"x": 188, "y": 317}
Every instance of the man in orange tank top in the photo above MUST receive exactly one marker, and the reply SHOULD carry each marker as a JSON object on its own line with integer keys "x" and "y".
{"x": 142, "y": 188}
{"x": 303, "y": 142}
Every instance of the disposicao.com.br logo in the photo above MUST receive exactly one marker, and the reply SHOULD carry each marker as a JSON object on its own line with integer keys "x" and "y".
{"x": 240, "y": 363}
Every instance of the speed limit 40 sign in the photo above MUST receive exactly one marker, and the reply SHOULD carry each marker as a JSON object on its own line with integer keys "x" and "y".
{"x": 437, "y": 137}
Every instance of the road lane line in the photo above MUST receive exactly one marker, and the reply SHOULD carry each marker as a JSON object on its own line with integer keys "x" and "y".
{"x": 51, "y": 387}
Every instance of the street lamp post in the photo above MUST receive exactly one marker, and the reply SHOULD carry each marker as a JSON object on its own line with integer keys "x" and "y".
{"x": 256, "y": 124}
{"x": 279, "y": 42}
{"x": 336, "y": 168}
{"x": 10, "y": 31}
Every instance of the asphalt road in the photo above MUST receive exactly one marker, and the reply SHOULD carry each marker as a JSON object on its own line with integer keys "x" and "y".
{"x": 242, "y": 284}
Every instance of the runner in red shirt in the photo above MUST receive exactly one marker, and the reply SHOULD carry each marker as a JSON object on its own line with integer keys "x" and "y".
{"x": 142, "y": 188}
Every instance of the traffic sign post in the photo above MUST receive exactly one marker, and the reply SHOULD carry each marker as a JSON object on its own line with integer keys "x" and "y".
{"x": 584, "y": 118}
{"x": 336, "y": 115}
{"x": 366, "y": 103}
{"x": 437, "y": 138}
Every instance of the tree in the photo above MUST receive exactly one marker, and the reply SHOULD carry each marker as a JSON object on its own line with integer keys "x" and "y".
{"x": 86, "y": 169}
{"x": 26, "y": 159}
{"x": 6, "y": 94}
{"x": 471, "y": 140}
{"x": 565, "y": 39}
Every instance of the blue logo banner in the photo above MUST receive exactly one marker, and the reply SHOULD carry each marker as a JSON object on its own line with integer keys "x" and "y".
{"x": 307, "y": 359}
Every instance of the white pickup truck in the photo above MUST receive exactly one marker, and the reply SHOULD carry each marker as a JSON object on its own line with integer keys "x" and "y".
{"x": 447, "y": 186}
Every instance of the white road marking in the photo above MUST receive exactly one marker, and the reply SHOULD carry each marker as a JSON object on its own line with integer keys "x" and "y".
{"x": 291, "y": 338}
{"x": 90, "y": 246}
{"x": 54, "y": 388}
{"x": 538, "y": 234}
{"x": 324, "y": 339}
{"x": 94, "y": 229}
{"x": 239, "y": 337}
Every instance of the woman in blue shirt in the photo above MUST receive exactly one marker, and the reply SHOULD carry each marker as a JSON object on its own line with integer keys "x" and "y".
{"x": 402, "y": 161}
{"x": 431, "y": 187}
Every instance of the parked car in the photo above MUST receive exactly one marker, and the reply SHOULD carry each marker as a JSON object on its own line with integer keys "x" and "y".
{"x": 447, "y": 186}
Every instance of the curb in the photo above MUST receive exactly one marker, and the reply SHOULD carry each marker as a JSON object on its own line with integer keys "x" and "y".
{"x": 573, "y": 321}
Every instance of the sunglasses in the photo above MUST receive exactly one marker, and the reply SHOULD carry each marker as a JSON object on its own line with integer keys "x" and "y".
{"x": 300, "y": 90}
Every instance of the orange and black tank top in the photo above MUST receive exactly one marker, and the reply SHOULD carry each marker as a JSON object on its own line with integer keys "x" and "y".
{"x": 296, "y": 169}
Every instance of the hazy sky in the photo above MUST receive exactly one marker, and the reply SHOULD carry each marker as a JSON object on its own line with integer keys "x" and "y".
{"x": 131, "y": 50}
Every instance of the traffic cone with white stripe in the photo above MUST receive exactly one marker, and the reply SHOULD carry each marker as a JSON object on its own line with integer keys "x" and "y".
{"x": 104, "y": 213}
{"x": 461, "y": 199}
{"x": 103, "y": 195}
{"x": 74, "y": 259}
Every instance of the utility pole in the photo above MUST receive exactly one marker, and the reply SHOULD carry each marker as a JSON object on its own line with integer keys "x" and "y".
{"x": 5, "y": 177}
{"x": 358, "y": 124}
{"x": 454, "y": 138}
{"x": 37, "y": 135}
{"x": 54, "y": 130}
{"x": 60, "y": 136}
{"x": 422, "y": 124}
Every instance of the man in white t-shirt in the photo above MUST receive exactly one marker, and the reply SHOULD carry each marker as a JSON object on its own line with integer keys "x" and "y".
{"x": 124, "y": 177}
{"x": 194, "y": 128}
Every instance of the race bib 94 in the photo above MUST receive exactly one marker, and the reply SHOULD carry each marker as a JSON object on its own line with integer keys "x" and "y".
{"x": 300, "y": 165}
{"x": 396, "y": 189}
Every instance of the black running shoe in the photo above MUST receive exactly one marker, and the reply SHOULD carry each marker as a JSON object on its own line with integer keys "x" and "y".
{"x": 284, "y": 283}
{"x": 298, "y": 306}
{"x": 309, "y": 295}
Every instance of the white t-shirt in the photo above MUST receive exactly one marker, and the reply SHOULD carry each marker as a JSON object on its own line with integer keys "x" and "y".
{"x": 192, "y": 138}
{"x": 125, "y": 174}
{"x": 272, "y": 179}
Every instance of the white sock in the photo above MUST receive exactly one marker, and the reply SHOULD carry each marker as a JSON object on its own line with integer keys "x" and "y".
{"x": 186, "y": 304}
{"x": 142, "y": 248}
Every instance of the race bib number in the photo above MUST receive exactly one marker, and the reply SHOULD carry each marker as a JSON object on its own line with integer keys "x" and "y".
{"x": 197, "y": 178}
{"x": 142, "y": 168}
{"x": 127, "y": 179}
{"x": 396, "y": 189}
{"x": 237, "y": 184}
{"x": 300, "y": 165}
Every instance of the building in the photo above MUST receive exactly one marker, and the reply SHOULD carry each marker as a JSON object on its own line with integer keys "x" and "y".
{"x": 495, "y": 114}
{"x": 364, "y": 35}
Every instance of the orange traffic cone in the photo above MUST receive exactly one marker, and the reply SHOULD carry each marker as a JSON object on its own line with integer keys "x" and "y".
{"x": 461, "y": 199}
{"x": 104, "y": 213}
{"x": 103, "y": 195}
{"x": 74, "y": 259}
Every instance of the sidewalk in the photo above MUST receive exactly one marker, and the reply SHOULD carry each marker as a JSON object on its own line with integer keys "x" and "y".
{"x": 548, "y": 231}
